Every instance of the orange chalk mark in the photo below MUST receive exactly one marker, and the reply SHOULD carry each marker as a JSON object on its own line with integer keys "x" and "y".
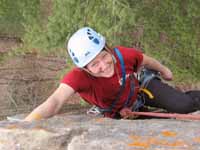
{"x": 169, "y": 133}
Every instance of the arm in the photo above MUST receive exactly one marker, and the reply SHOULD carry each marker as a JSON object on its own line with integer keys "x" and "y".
{"x": 52, "y": 105}
{"x": 152, "y": 63}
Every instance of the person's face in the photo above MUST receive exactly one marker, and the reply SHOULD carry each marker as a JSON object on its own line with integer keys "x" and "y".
{"x": 102, "y": 65}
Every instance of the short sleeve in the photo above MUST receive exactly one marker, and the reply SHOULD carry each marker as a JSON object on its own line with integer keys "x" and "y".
{"x": 77, "y": 79}
{"x": 132, "y": 56}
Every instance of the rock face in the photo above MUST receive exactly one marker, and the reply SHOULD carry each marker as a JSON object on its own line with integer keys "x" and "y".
{"x": 78, "y": 132}
{"x": 26, "y": 81}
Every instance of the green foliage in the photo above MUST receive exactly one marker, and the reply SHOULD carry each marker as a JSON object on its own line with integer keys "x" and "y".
{"x": 168, "y": 30}
{"x": 15, "y": 14}
{"x": 107, "y": 16}
{"x": 179, "y": 21}
{"x": 10, "y": 17}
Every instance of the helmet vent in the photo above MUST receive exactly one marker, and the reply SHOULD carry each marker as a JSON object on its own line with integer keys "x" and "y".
{"x": 87, "y": 53}
{"x": 96, "y": 41}
{"x": 76, "y": 59}
{"x": 90, "y": 37}
{"x": 88, "y": 33}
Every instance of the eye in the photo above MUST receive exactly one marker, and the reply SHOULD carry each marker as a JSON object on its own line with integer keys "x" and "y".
{"x": 104, "y": 55}
{"x": 94, "y": 65}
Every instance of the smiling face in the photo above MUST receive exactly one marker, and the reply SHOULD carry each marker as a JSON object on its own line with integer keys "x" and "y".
{"x": 102, "y": 65}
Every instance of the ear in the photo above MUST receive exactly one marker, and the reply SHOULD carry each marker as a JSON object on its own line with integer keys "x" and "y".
{"x": 109, "y": 49}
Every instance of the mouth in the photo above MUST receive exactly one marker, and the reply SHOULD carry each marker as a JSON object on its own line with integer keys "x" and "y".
{"x": 108, "y": 71}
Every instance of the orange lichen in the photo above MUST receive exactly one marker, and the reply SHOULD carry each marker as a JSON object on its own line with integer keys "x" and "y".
{"x": 141, "y": 141}
{"x": 140, "y": 144}
{"x": 147, "y": 141}
{"x": 12, "y": 126}
{"x": 177, "y": 143}
{"x": 3, "y": 141}
{"x": 134, "y": 137}
{"x": 99, "y": 120}
{"x": 169, "y": 133}
{"x": 40, "y": 128}
{"x": 152, "y": 140}
{"x": 197, "y": 139}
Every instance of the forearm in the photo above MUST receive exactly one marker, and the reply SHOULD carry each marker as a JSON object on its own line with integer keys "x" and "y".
{"x": 155, "y": 65}
{"x": 52, "y": 105}
{"x": 152, "y": 63}
{"x": 45, "y": 110}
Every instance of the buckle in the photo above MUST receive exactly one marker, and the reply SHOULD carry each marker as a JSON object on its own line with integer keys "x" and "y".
{"x": 94, "y": 111}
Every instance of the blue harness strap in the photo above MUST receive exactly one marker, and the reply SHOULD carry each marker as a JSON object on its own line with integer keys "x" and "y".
{"x": 132, "y": 87}
{"x": 131, "y": 93}
{"x": 123, "y": 83}
{"x": 119, "y": 55}
{"x": 122, "y": 66}
{"x": 123, "y": 78}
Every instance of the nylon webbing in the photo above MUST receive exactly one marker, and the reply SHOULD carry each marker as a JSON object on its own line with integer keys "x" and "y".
{"x": 119, "y": 55}
{"x": 131, "y": 93}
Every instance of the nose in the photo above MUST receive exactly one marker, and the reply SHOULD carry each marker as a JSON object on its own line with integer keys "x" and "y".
{"x": 102, "y": 65}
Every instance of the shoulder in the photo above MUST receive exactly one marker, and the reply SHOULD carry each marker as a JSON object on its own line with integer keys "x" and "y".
{"x": 76, "y": 78}
{"x": 130, "y": 52}
{"x": 75, "y": 73}
{"x": 131, "y": 56}
{"x": 125, "y": 50}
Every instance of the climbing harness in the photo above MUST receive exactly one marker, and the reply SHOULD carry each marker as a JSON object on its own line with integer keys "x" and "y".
{"x": 144, "y": 77}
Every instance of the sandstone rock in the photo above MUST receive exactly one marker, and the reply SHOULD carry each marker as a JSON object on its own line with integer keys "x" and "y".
{"x": 78, "y": 132}
{"x": 26, "y": 81}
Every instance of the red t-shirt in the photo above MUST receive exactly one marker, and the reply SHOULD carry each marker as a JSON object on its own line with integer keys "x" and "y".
{"x": 102, "y": 91}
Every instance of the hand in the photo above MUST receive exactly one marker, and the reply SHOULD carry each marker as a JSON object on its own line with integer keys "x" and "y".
{"x": 152, "y": 63}
{"x": 33, "y": 117}
{"x": 125, "y": 113}
{"x": 167, "y": 74}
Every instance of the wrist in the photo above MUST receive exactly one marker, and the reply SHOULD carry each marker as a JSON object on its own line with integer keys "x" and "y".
{"x": 167, "y": 74}
{"x": 34, "y": 116}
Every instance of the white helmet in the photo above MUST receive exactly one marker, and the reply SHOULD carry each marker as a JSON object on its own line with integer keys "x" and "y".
{"x": 84, "y": 45}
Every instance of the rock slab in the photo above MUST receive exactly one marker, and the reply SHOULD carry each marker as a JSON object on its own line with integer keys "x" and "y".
{"x": 78, "y": 132}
